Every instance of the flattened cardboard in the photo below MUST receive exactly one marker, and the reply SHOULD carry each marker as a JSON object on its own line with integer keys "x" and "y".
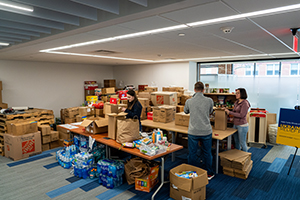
{"x": 227, "y": 157}
{"x": 243, "y": 174}
{"x": 23, "y": 146}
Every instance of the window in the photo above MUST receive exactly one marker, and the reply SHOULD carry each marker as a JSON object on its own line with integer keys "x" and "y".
{"x": 243, "y": 69}
{"x": 272, "y": 69}
{"x": 294, "y": 69}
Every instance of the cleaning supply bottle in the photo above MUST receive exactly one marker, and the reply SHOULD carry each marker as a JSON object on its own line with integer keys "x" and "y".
{"x": 154, "y": 136}
{"x": 159, "y": 136}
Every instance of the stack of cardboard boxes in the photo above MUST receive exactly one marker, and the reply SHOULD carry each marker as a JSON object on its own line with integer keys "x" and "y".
{"x": 50, "y": 139}
{"x": 236, "y": 163}
{"x": 22, "y": 140}
{"x": 164, "y": 113}
{"x": 2, "y": 105}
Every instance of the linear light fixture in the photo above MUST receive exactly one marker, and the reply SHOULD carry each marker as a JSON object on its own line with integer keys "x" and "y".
{"x": 177, "y": 27}
{"x": 4, "y": 44}
{"x": 15, "y": 5}
{"x": 97, "y": 56}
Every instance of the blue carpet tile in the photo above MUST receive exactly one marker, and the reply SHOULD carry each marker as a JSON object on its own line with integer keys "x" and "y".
{"x": 296, "y": 163}
{"x": 73, "y": 179}
{"x": 277, "y": 165}
{"x": 30, "y": 159}
{"x": 49, "y": 166}
{"x": 244, "y": 189}
{"x": 163, "y": 193}
{"x": 91, "y": 185}
{"x": 115, "y": 191}
{"x": 266, "y": 182}
{"x": 67, "y": 188}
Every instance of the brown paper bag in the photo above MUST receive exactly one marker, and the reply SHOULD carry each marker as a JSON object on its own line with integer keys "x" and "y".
{"x": 135, "y": 168}
{"x": 127, "y": 130}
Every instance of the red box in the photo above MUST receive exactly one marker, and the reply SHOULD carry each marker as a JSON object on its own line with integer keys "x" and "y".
{"x": 150, "y": 115}
{"x": 113, "y": 101}
{"x": 142, "y": 87}
{"x": 123, "y": 94}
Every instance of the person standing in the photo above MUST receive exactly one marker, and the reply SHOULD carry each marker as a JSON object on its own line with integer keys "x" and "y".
{"x": 134, "y": 107}
{"x": 239, "y": 112}
{"x": 200, "y": 107}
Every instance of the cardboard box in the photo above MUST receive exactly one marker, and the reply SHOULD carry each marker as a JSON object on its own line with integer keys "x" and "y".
{"x": 95, "y": 125}
{"x": 146, "y": 183}
{"x": 109, "y": 83}
{"x": 64, "y": 134}
{"x": 164, "y": 113}
{"x": 182, "y": 119}
{"x": 46, "y": 139}
{"x": 164, "y": 98}
{"x": 220, "y": 120}
{"x": 141, "y": 87}
{"x": 45, "y": 129}
{"x": 71, "y": 112}
{"x": 179, "y": 109}
{"x": 70, "y": 120}
{"x": 183, "y": 99}
{"x": 182, "y": 188}
{"x": 80, "y": 118}
{"x": 1, "y": 86}
{"x": 1, "y": 96}
{"x": 3, "y": 105}
{"x": 83, "y": 111}
{"x": 22, "y": 128}
{"x": 146, "y": 95}
{"x": 150, "y": 89}
{"x": 172, "y": 89}
{"x": 123, "y": 102}
{"x": 54, "y": 144}
{"x": 45, "y": 147}
{"x": 99, "y": 113}
{"x": 235, "y": 159}
{"x": 54, "y": 135}
{"x": 23, "y": 146}
{"x": 110, "y": 108}
{"x": 144, "y": 101}
{"x": 110, "y": 90}
{"x": 112, "y": 123}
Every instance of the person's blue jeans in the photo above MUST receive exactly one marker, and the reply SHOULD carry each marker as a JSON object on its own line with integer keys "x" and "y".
{"x": 206, "y": 143}
{"x": 240, "y": 137}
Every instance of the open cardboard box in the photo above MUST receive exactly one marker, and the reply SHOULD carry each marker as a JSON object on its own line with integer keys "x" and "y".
{"x": 95, "y": 125}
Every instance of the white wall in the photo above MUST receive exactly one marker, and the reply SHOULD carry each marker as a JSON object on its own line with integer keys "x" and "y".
{"x": 161, "y": 74}
{"x": 48, "y": 85}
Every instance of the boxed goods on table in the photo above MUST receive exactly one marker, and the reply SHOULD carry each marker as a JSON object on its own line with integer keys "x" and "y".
{"x": 164, "y": 98}
{"x": 236, "y": 163}
{"x": 164, "y": 113}
{"x": 110, "y": 108}
{"x": 95, "y": 125}
{"x": 182, "y": 119}
{"x": 150, "y": 89}
{"x": 184, "y": 188}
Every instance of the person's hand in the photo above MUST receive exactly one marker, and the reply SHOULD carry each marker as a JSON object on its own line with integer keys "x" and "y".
{"x": 227, "y": 111}
{"x": 123, "y": 109}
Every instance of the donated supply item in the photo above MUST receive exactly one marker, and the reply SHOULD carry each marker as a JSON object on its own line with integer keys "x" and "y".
{"x": 110, "y": 173}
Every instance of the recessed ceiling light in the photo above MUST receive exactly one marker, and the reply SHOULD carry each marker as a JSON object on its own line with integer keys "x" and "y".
{"x": 181, "y": 34}
{"x": 15, "y": 5}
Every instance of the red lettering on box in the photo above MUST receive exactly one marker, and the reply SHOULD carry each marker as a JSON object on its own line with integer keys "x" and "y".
{"x": 159, "y": 99}
{"x": 28, "y": 146}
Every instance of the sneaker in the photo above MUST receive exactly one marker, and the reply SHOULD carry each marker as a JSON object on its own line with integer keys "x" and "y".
{"x": 210, "y": 177}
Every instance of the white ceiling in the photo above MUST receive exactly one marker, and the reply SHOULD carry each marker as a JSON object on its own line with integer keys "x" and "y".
{"x": 264, "y": 37}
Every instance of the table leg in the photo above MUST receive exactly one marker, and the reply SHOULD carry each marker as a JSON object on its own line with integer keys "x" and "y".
{"x": 217, "y": 157}
{"x": 229, "y": 142}
{"x": 162, "y": 177}
{"x": 106, "y": 151}
{"x": 173, "y": 141}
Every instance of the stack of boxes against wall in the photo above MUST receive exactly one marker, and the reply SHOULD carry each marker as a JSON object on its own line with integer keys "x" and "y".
{"x": 2, "y": 131}
{"x": 22, "y": 137}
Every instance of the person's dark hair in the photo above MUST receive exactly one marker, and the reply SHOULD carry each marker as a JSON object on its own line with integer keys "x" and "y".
{"x": 199, "y": 86}
{"x": 243, "y": 93}
{"x": 130, "y": 104}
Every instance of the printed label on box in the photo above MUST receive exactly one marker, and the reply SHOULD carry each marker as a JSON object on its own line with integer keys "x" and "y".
{"x": 159, "y": 99}
{"x": 28, "y": 146}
